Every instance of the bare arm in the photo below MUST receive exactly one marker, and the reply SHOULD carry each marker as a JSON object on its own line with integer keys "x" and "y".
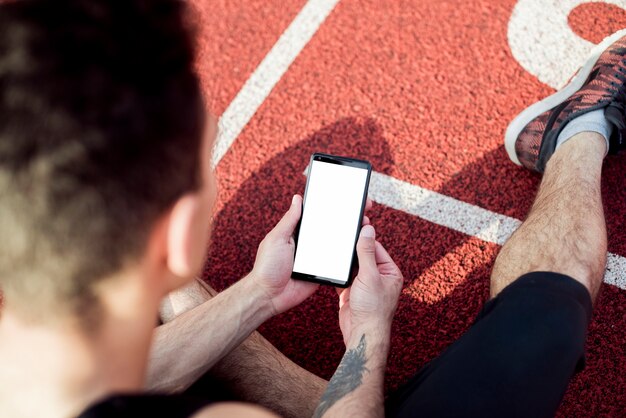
{"x": 356, "y": 388}
{"x": 185, "y": 348}
{"x": 256, "y": 371}
{"x": 193, "y": 342}
{"x": 366, "y": 310}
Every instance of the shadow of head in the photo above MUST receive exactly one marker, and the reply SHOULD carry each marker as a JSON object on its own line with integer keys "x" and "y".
{"x": 264, "y": 197}
{"x": 258, "y": 205}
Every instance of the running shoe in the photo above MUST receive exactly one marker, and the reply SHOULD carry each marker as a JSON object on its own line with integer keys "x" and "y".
{"x": 530, "y": 139}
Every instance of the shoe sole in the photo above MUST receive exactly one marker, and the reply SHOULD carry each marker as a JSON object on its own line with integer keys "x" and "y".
{"x": 519, "y": 123}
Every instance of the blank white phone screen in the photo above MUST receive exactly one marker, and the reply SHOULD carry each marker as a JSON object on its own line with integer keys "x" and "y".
{"x": 330, "y": 220}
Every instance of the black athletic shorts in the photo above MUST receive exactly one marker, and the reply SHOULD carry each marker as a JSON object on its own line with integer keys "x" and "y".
{"x": 515, "y": 361}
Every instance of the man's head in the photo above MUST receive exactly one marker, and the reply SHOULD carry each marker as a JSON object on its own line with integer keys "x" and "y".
{"x": 101, "y": 133}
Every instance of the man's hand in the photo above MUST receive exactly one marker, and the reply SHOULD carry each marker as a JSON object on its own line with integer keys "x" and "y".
{"x": 371, "y": 301}
{"x": 365, "y": 313}
{"x": 274, "y": 263}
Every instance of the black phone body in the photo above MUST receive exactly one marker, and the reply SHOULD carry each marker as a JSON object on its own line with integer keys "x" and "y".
{"x": 332, "y": 214}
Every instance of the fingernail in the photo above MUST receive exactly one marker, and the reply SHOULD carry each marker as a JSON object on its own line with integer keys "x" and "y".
{"x": 368, "y": 231}
{"x": 293, "y": 199}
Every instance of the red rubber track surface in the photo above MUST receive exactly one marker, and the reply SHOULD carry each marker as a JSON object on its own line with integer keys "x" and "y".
{"x": 424, "y": 90}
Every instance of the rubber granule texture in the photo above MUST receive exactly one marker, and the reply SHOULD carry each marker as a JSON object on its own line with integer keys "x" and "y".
{"x": 424, "y": 90}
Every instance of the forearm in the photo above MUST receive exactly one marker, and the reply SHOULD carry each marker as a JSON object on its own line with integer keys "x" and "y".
{"x": 186, "y": 347}
{"x": 356, "y": 388}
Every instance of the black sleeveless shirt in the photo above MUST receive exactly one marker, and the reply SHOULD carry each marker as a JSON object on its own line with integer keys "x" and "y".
{"x": 145, "y": 405}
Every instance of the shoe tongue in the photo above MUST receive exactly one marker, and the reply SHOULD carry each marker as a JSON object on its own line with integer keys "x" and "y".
{"x": 615, "y": 113}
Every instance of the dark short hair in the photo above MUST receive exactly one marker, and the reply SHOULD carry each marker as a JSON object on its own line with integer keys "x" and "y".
{"x": 101, "y": 123}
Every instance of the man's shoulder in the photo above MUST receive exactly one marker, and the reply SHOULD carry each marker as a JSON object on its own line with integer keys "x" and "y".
{"x": 234, "y": 410}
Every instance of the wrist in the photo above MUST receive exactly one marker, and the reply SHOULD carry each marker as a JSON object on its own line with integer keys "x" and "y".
{"x": 261, "y": 303}
{"x": 378, "y": 334}
{"x": 374, "y": 348}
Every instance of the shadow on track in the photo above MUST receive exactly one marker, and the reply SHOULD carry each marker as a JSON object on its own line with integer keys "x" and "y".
{"x": 446, "y": 273}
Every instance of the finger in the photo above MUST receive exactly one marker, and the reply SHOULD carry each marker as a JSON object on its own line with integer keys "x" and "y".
{"x": 385, "y": 262}
{"x": 366, "y": 220}
{"x": 344, "y": 297}
{"x": 307, "y": 289}
{"x": 366, "y": 251}
{"x": 382, "y": 256}
{"x": 368, "y": 204}
{"x": 285, "y": 227}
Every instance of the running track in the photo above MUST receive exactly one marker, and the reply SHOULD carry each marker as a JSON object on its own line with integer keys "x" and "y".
{"x": 424, "y": 90}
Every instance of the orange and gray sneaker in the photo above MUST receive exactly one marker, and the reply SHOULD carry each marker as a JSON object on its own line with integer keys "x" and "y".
{"x": 531, "y": 137}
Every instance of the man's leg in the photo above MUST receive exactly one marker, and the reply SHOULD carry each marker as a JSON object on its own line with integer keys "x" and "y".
{"x": 518, "y": 357}
{"x": 565, "y": 231}
{"x": 255, "y": 371}
{"x": 528, "y": 341}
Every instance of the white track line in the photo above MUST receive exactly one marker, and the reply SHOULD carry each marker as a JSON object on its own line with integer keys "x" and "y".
{"x": 269, "y": 72}
{"x": 463, "y": 217}
{"x": 543, "y": 42}
{"x": 426, "y": 204}
{"x": 441, "y": 210}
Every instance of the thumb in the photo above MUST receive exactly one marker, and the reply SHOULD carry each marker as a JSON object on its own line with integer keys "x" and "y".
{"x": 366, "y": 250}
{"x": 289, "y": 221}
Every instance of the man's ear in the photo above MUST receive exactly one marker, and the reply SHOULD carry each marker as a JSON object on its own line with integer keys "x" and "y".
{"x": 186, "y": 237}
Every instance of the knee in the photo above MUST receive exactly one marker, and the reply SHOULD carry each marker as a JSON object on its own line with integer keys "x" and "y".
{"x": 548, "y": 316}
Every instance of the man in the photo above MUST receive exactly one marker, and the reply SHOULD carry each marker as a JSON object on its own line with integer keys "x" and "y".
{"x": 104, "y": 168}
{"x": 107, "y": 191}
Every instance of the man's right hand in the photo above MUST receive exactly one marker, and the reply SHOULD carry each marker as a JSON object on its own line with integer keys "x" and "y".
{"x": 370, "y": 303}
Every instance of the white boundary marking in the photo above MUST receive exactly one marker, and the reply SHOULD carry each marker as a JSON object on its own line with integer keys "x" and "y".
{"x": 431, "y": 206}
{"x": 542, "y": 41}
{"x": 441, "y": 209}
{"x": 463, "y": 217}
{"x": 269, "y": 72}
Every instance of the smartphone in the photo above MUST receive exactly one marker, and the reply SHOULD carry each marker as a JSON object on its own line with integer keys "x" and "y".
{"x": 332, "y": 214}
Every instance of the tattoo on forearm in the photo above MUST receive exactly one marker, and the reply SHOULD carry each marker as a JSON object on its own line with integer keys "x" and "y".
{"x": 347, "y": 378}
